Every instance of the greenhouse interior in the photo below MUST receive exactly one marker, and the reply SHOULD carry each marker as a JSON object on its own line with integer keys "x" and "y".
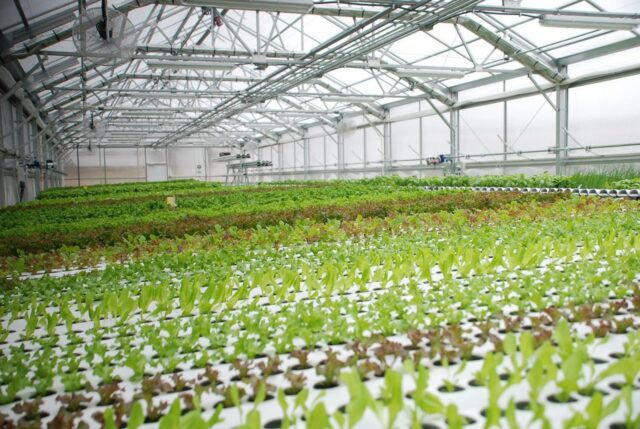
{"x": 320, "y": 214}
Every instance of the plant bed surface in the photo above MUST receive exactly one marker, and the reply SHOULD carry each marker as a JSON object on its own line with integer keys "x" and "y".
{"x": 520, "y": 313}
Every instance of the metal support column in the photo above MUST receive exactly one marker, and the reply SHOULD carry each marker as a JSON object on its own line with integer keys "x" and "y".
{"x": 104, "y": 164}
{"x": 19, "y": 145}
{"x": 78, "y": 162}
{"x": 146, "y": 166}
{"x": 420, "y": 140}
{"x": 280, "y": 160}
{"x": 562, "y": 125}
{"x": 3, "y": 199}
{"x": 505, "y": 134}
{"x": 307, "y": 158}
{"x": 324, "y": 156}
{"x": 44, "y": 150}
{"x": 340, "y": 143}
{"x": 365, "y": 161}
{"x": 37, "y": 155}
{"x": 166, "y": 162}
{"x": 386, "y": 145}
{"x": 454, "y": 138}
{"x": 205, "y": 156}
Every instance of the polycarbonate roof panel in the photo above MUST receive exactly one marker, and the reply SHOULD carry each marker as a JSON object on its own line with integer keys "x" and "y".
{"x": 169, "y": 32}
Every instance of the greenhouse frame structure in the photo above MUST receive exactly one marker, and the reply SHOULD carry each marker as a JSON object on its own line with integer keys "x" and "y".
{"x": 317, "y": 90}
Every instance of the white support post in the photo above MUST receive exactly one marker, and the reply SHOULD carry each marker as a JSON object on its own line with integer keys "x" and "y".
{"x": 205, "y": 157}
{"x": 3, "y": 198}
{"x": 324, "y": 155}
{"x": 19, "y": 146}
{"x": 146, "y": 166}
{"x": 104, "y": 164}
{"x": 340, "y": 143}
{"x": 505, "y": 129}
{"x": 420, "y": 139}
{"x": 78, "y": 162}
{"x": 454, "y": 136}
{"x": 37, "y": 154}
{"x": 166, "y": 162}
{"x": 306, "y": 157}
{"x": 386, "y": 143}
{"x": 562, "y": 125}
{"x": 280, "y": 160}
{"x": 364, "y": 150}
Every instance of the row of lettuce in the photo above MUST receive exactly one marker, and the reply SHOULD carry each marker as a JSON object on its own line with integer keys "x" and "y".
{"x": 107, "y": 214}
{"x": 40, "y": 229}
{"x": 624, "y": 179}
{"x": 578, "y": 180}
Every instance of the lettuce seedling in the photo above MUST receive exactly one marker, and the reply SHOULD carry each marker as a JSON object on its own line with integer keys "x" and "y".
{"x": 188, "y": 294}
{"x": 155, "y": 410}
{"x": 172, "y": 419}
{"x": 232, "y": 395}
{"x": 106, "y": 392}
{"x": 391, "y": 396}
{"x": 596, "y": 412}
{"x": 270, "y": 367}
{"x": 330, "y": 370}
{"x": 29, "y": 409}
{"x": 454, "y": 419}
{"x": 209, "y": 375}
{"x": 74, "y": 402}
{"x": 289, "y": 416}
{"x": 296, "y": 383}
{"x": 627, "y": 366}
{"x": 137, "y": 361}
{"x": 622, "y": 325}
{"x": 243, "y": 368}
{"x": 632, "y": 417}
{"x": 571, "y": 373}
{"x": 73, "y": 381}
{"x": 179, "y": 383}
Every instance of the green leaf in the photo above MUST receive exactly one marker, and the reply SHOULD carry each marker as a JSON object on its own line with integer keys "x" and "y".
{"x": 136, "y": 419}
{"x": 395, "y": 399}
{"x": 235, "y": 395}
{"x": 193, "y": 420}
{"x": 172, "y": 419}
{"x": 318, "y": 418}
{"x": 253, "y": 420}
{"x": 562, "y": 336}
{"x": 301, "y": 399}
{"x": 510, "y": 414}
{"x": 527, "y": 347}
{"x": 215, "y": 418}
{"x": 261, "y": 394}
{"x": 454, "y": 419}
{"x": 109, "y": 420}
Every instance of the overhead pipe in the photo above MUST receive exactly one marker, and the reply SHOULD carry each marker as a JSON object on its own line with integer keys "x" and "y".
{"x": 531, "y": 62}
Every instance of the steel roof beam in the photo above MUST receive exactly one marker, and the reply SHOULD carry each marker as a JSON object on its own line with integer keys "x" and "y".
{"x": 530, "y": 61}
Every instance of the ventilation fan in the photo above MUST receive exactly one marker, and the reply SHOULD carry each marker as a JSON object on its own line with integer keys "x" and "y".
{"x": 104, "y": 35}
{"x": 251, "y": 146}
{"x": 346, "y": 128}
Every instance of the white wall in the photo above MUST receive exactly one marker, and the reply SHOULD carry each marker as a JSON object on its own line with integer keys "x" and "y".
{"x": 601, "y": 113}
